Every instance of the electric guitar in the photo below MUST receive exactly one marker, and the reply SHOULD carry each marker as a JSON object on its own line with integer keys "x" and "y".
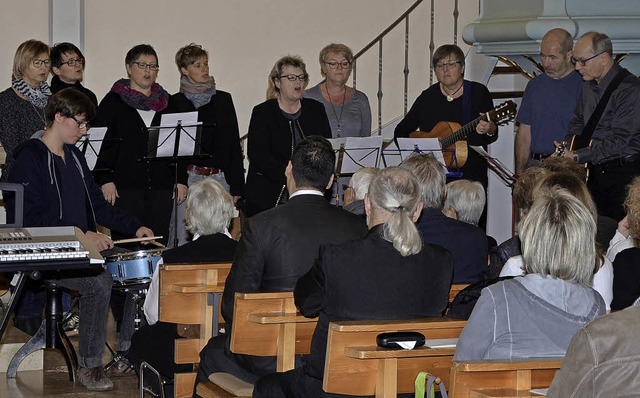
{"x": 452, "y": 137}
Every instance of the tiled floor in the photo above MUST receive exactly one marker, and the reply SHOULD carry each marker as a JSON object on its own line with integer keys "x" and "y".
{"x": 54, "y": 380}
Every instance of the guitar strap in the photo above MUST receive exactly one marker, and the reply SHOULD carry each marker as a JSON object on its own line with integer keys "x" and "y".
{"x": 583, "y": 140}
{"x": 466, "y": 103}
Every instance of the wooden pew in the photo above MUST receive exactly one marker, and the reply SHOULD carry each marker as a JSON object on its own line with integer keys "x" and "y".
{"x": 455, "y": 289}
{"x": 264, "y": 324}
{"x": 191, "y": 294}
{"x": 355, "y": 365}
{"x": 500, "y": 378}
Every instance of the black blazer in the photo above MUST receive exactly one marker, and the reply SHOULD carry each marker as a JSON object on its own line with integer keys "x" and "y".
{"x": 467, "y": 243}
{"x": 221, "y": 140}
{"x": 206, "y": 249}
{"x": 270, "y": 148}
{"x": 369, "y": 279}
{"x": 279, "y": 245}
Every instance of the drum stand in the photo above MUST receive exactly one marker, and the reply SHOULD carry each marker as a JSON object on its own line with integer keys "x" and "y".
{"x": 138, "y": 294}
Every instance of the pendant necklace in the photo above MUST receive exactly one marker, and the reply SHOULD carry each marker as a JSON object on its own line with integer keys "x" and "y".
{"x": 338, "y": 118}
{"x": 450, "y": 95}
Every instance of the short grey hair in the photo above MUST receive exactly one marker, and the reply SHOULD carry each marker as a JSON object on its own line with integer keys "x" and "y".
{"x": 209, "y": 208}
{"x": 397, "y": 191}
{"x": 467, "y": 199}
{"x": 361, "y": 179}
{"x": 558, "y": 238}
{"x": 431, "y": 175}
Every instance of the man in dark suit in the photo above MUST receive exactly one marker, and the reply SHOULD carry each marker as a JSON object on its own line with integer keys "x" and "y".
{"x": 467, "y": 243}
{"x": 278, "y": 246}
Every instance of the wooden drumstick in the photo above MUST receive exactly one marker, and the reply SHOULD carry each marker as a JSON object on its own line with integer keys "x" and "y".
{"x": 143, "y": 239}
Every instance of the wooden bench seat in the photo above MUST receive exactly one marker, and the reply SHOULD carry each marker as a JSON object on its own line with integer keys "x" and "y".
{"x": 354, "y": 365}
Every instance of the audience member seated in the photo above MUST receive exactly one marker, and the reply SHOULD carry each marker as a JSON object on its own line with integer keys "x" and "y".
{"x": 537, "y": 314}
{"x": 603, "y": 359}
{"x": 603, "y": 277}
{"x": 626, "y": 266}
{"x": 278, "y": 246}
{"x": 353, "y": 201}
{"x": 467, "y": 243}
{"x": 464, "y": 201}
{"x": 208, "y": 214}
{"x": 390, "y": 274}
{"x": 523, "y": 192}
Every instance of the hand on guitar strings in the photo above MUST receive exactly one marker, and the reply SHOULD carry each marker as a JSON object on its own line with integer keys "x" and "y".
{"x": 561, "y": 150}
{"x": 486, "y": 127}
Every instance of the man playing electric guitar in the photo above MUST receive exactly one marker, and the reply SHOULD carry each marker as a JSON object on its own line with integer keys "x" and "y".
{"x": 605, "y": 128}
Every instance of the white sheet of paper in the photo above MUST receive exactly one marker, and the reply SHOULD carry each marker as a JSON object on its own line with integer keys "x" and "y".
{"x": 407, "y": 345}
{"x": 441, "y": 343}
{"x": 166, "y": 137}
{"x": 94, "y": 138}
{"x": 408, "y": 145}
{"x": 360, "y": 152}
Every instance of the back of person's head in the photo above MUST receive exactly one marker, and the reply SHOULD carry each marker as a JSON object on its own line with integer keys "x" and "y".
{"x": 432, "y": 177}
{"x": 70, "y": 103}
{"x": 397, "y": 191}
{"x": 361, "y": 179}
{"x": 209, "y": 208}
{"x": 288, "y": 60}
{"x": 312, "y": 163}
{"x": 523, "y": 189}
{"x": 63, "y": 48}
{"x": 632, "y": 205}
{"x": 558, "y": 238}
{"x": 572, "y": 183}
{"x": 26, "y": 53}
{"x": 467, "y": 199}
{"x": 559, "y": 164}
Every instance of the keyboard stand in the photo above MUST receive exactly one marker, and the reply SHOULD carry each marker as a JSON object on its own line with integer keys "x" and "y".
{"x": 51, "y": 335}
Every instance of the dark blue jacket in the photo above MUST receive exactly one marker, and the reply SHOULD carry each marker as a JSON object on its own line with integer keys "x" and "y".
{"x": 36, "y": 170}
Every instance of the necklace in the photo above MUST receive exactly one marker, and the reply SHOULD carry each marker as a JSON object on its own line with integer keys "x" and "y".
{"x": 450, "y": 95}
{"x": 335, "y": 114}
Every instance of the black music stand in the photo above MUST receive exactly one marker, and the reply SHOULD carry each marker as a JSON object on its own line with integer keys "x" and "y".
{"x": 353, "y": 154}
{"x": 413, "y": 145}
{"x": 176, "y": 155}
{"x": 91, "y": 144}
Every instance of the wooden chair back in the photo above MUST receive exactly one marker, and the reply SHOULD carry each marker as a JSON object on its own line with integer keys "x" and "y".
{"x": 354, "y": 365}
{"x": 498, "y": 378}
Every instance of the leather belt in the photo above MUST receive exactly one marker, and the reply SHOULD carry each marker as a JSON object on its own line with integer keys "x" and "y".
{"x": 203, "y": 171}
{"x": 619, "y": 162}
{"x": 539, "y": 156}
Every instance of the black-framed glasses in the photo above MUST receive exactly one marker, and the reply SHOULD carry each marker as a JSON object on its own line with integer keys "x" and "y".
{"x": 292, "y": 78}
{"x": 73, "y": 62}
{"x": 334, "y": 64}
{"x": 144, "y": 65}
{"x": 583, "y": 62}
{"x": 447, "y": 65}
{"x": 39, "y": 62}
{"x": 81, "y": 124}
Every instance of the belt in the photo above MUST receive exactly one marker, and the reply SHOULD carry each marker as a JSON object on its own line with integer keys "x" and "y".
{"x": 539, "y": 156}
{"x": 203, "y": 171}
{"x": 619, "y": 162}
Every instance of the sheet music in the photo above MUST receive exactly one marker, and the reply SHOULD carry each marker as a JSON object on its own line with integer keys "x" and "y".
{"x": 360, "y": 152}
{"x": 406, "y": 146}
{"x": 166, "y": 138}
{"x": 93, "y": 142}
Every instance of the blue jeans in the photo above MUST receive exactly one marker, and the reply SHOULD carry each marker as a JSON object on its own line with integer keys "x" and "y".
{"x": 95, "y": 292}
{"x": 183, "y": 235}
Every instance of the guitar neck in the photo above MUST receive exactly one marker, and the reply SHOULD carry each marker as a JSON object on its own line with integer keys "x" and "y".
{"x": 461, "y": 134}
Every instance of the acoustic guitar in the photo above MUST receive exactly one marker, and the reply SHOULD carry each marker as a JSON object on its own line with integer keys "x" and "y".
{"x": 452, "y": 137}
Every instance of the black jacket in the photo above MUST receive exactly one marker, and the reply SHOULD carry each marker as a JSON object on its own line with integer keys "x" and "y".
{"x": 206, "y": 249}
{"x": 221, "y": 139}
{"x": 270, "y": 147}
{"x": 57, "y": 85}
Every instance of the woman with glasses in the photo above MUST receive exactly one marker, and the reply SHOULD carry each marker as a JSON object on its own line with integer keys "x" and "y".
{"x": 22, "y": 104}
{"x": 348, "y": 109}
{"x": 220, "y": 138}
{"x": 67, "y": 68}
{"x": 141, "y": 187}
{"x": 453, "y": 99}
{"x": 276, "y": 125}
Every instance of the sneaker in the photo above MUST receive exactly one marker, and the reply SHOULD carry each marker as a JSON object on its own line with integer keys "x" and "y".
{"x": 94, "y": 379}
{"x": 122, "y": 368}
{"x": 72, "y": 325}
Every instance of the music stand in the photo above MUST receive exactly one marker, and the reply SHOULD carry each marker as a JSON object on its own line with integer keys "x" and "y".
{"x": 352, "y": 154}
{"x": 90, "y": 146}
{"x": 496, "y": 166}
{"x": 177, "y": 139}
{"x": 407, "y": 146}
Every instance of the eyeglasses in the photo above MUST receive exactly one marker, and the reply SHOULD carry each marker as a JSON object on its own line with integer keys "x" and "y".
{"x": 39, "y": 62}
{"x": 81, "y": 125}
{"x": 293, "y": 78}
{"x": 144, "y": 65}
{"x": 73, "y": 61}
{"x": 334, "y": 64}
{"x": 447, "y": 65}
{"x": 583, "y": 62}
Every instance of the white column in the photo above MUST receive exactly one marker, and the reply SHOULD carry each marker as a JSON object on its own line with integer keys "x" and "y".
{"x": 66, "y": 22}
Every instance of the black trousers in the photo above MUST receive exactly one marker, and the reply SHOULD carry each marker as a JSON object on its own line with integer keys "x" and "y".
{"x": 608, "y": 185}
